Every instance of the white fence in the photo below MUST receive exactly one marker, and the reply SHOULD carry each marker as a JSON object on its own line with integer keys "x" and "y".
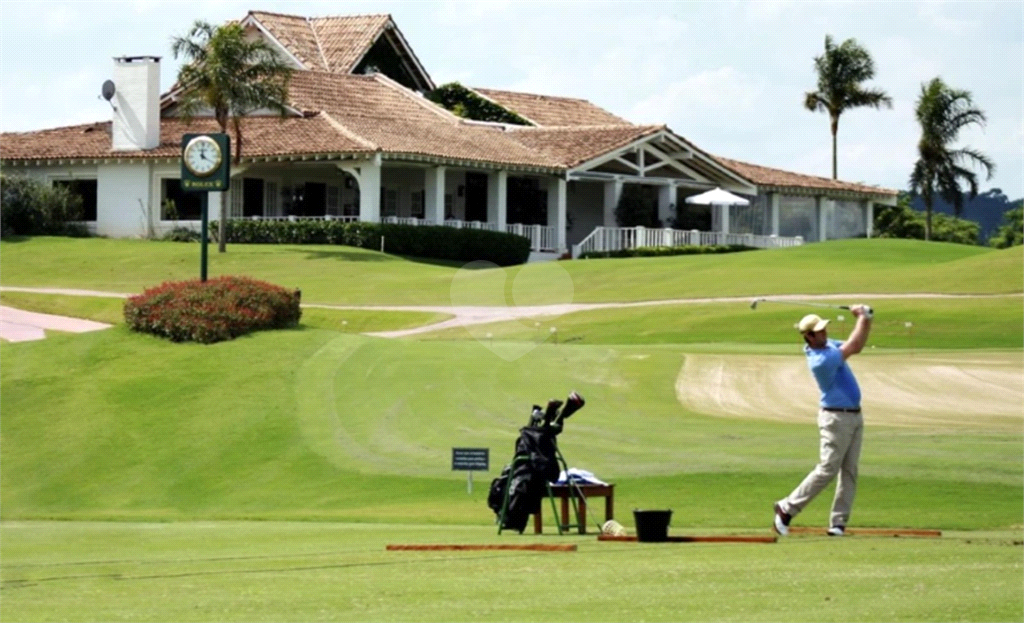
{"x": 606, "y": 239}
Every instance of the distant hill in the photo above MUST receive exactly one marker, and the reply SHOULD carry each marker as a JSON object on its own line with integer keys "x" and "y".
{"x": 986, "y": 210}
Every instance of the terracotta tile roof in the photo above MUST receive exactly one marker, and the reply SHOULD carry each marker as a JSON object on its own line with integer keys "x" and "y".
{"x": 765, "y": 176}
{"x": 399, "y": 121}
{"x": 334, "y": 44}
{"x": 262, "y": 137}
{"x": 572, "y": 146}
{"x": 545, "y": 110}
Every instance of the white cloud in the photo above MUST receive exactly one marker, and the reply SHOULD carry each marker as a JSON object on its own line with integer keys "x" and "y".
{"x": 935, "y": 15}
{"x": 723, "y": 95}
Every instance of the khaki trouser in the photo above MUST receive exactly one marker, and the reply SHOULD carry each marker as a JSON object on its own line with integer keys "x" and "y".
{"x": 841, "y": 436}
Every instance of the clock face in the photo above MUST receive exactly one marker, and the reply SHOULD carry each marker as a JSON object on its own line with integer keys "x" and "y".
{"x": 202, "y": 156}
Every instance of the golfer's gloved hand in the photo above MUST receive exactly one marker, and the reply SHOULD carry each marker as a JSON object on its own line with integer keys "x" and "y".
{"x": 866, "y": 311}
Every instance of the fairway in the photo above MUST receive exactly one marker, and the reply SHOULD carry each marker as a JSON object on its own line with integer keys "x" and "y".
{"x": 263, "y": 478}
{"x": 947, "y": 391}
{"x": 281, "y": 571}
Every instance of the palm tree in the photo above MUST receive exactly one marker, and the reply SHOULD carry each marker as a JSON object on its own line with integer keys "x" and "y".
{"x": 942, "y": 112}
{"x": 232, "y": 76}
{"x": 841, "y": 70}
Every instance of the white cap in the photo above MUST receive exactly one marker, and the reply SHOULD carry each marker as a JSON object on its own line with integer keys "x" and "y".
{"x": 812, "y": 322}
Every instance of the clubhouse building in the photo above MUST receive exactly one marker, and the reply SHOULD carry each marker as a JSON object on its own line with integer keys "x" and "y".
{"x": 361, "y": 141}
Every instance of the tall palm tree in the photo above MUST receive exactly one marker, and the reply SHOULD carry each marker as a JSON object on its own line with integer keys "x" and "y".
{"x": 232, "y": 76}
{"x": 942, "y": 112}
{"x": 841, "y": 70}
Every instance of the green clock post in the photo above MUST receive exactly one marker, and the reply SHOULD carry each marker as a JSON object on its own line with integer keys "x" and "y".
{"x": 205, "y": 168}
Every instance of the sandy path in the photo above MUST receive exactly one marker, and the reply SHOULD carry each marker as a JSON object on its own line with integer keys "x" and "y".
{"x": 947, "y": 390}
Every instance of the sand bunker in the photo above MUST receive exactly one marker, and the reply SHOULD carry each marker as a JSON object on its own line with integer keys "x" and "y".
{"x": 947, "y": 390}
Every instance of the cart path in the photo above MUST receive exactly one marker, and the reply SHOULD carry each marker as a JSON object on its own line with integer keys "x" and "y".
{"x": 463, "y": 315}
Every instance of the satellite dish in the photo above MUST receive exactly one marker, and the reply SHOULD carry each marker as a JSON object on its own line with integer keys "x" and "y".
{"x": 108, "y": 90}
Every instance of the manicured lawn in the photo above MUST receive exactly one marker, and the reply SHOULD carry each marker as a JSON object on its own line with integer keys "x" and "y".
{"x": 262, "y": 478}
{"x": 273, "y": 571}
{"x": 345, "y": 275}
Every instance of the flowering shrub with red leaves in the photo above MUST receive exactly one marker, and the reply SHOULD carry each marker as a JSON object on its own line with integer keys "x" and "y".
{"x": 213, "y": 311}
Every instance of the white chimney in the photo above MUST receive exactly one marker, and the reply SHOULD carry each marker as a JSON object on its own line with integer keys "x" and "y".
{"x": 136, "y": 103}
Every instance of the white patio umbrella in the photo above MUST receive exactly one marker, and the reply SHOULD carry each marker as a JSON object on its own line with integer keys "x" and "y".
{"x": 719, "y": 197}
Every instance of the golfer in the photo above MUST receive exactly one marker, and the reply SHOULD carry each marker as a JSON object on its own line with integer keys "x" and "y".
{"x": 839, "y": 420}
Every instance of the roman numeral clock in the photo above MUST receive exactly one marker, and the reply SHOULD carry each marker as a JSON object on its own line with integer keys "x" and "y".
{"x": 205, "y": 162}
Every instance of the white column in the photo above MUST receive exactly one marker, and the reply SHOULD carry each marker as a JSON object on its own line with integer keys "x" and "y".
{"x": 612, "y": 194}
{"x": 773, "y": 206}
{"x": 869, "y": 214}
{"x": 666, "y": 203}
{"x": 497, "y": 198}
{"x": 822, "y": 204}
{"x": 369, "y": 191}
{"x": 557, "y": 209}
{"x": 725, "y": 218}
{"x": 433, "y": 194}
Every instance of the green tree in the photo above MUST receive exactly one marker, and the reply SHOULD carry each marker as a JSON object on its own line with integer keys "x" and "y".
{"x": 232, "y": 76}
{"x": 1011, "y": 233}
{"x": 902, "y": 221}
{"x": 841, "y": 70}
{"x": 29, "y": 207}
{"x": 943, "y": 112}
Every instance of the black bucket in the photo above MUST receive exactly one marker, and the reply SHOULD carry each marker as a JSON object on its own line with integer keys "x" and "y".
{"x": 652, "y": 526}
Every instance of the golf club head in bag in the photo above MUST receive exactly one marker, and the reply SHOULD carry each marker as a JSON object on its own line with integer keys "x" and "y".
{"x": 552, "y": 411}
{"x": 536, "y": 416}
{"x": 573, "y": 404}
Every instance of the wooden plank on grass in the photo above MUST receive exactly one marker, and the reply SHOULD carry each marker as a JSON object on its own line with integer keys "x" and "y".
{"x": 896, "y": 532}
{"x": 728, "y": 538}
{"x": 534, "y": 547}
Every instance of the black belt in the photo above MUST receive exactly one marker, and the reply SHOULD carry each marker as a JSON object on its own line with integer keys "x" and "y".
{"x": 836, "y": 410}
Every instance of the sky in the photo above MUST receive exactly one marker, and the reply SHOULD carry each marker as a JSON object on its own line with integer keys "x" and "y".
{"x": 730, "y": 76}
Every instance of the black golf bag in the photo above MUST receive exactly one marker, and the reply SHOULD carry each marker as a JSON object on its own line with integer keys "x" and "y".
{"x": 518, "y": 491}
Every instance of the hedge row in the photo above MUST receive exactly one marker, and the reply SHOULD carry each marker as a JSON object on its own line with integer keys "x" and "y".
{"x": 434, "y": 242}
{"x": 212, "y": 311}
{"x": 666, "y": 251}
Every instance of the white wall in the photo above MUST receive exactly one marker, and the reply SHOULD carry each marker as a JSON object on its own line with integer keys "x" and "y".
{"x": 123, "y": 200}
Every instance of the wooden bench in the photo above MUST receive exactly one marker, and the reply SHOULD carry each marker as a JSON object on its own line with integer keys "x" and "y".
{"x": 563, "y": 492}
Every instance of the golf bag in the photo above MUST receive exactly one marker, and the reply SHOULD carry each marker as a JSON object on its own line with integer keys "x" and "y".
{"x": 518, "y": 491}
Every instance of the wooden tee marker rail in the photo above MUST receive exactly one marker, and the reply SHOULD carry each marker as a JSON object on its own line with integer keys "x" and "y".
{"x": 895, "y": 532}
{"x": 697, "y": 539}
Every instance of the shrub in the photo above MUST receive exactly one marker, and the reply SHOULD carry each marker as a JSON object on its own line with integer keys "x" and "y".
{"x": 426, "y": 241}
{"x": 212, "y": 311}
{"x": 1011, "y": 233}
{"x": 28, "y": 207}
{"x": 181, "y": 234}
{"x": 468, "y": 105}
{"x": 902, "y": 221}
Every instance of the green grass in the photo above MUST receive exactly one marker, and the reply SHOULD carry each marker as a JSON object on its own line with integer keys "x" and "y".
{"x": 935, "y": 323}
{"x": 271, "y": 571}
{"x": 349, "y": 276}
{"x": 111, "y": 311}
{"x": 335, "y": 444}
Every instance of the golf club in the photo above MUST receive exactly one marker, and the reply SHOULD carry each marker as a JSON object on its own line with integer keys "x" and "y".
{"x": 753, "y": 304}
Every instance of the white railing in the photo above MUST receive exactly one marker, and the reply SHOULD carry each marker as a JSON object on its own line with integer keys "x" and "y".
{"x": 607, "y": 239}
{"x": 542, "y": 237}
{"x": 293, "y": 218}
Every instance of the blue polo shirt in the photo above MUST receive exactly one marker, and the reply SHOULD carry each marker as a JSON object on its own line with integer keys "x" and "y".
{"x": 839, "y": 389}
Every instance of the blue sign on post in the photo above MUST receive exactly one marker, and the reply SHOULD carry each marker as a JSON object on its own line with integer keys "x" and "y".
{"x": 470, "y": 460}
